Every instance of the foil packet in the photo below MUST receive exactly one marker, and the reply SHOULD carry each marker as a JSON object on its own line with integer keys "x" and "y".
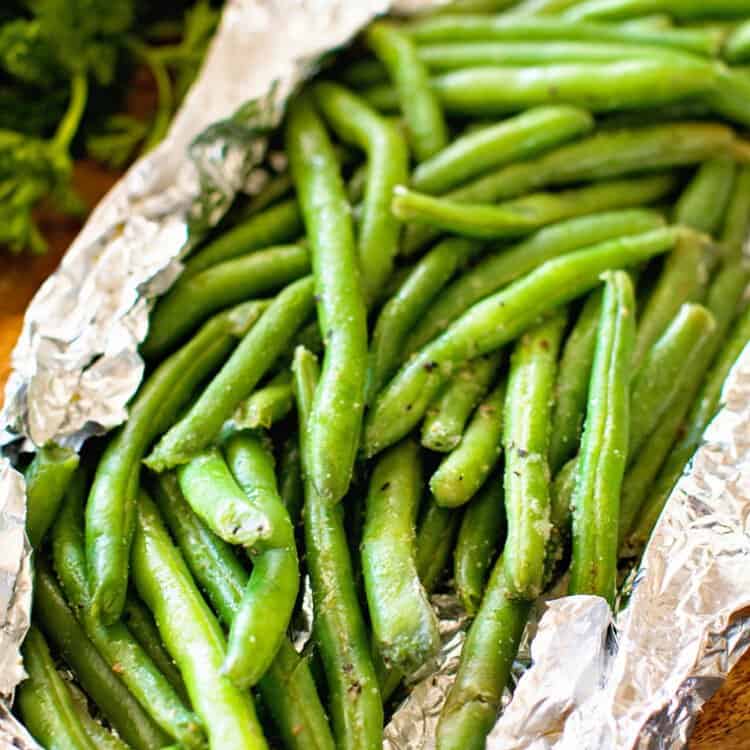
{"x": 594, "y": 683}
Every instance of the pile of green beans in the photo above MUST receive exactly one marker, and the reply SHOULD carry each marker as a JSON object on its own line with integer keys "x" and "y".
{"x": 466, "y": 343}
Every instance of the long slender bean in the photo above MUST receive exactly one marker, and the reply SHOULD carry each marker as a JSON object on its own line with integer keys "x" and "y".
{"x": 737, "y": 220}
{"x": 480, "y": 536}
{"x": 604, "y": 445}
{"x": 685, "y": 10}
{"x": 252, "y": 358}
{"x": 387, "y": 166}
{"x": 268, "y": 405}
{"x": 495, "y": 321}
{"x": 191, "y": 634}
{"x": 339, "y": 626}
{"x": 435, "y": 540}
{"x": 102, "y": 737}
{"x": 703, "y": 203}
{"x": 737, "y": 47}
{"x": 339, "y": 400}
{"x": 291, "y": 486}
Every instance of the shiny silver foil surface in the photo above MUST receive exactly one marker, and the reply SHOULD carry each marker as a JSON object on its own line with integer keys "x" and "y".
{"x": 76, "y": 366}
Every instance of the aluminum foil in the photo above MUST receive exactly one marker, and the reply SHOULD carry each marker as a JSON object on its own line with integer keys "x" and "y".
{"x": 76, "y": 367}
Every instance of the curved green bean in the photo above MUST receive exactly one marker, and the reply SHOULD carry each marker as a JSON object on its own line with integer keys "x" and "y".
{"x": 435, "y": 538}
{"x": 703, "y": 203}
{"x": 480, "y": 536}
{"x": 444, "y": 422}
{"x": 109, "y": 511}
{"x": 524, "y": 215}
{"x": 267, "y": 405}
{"x": 428, "y": 132}
{"x": 737, "y": 47}
{"x": 736, "y": 227}
{"x": 191, "y": 634}
{"x": 339, "y": 400}
{"x": 511, "y": 140}
{"x": 387, "y": 166}
{"x": 495, "y": 321}
{"x": 190, "y": 301}
{"x": 464, "y": 470}
{"x": 291, "y": 487}
{"x": 528, "y": 402}
{"x": 102, "y": 737}
{"x": 252, "y": 358}
{"x": 604, "y": 445}
{"x": 684, "y": 10}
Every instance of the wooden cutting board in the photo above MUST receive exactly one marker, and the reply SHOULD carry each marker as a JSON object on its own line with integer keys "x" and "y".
{"x": 725, "y": 722}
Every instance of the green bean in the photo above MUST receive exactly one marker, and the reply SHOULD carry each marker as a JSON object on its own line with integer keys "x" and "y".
{"x": 495, "y": 321}
{"x": 684, "y": 10}
{"x": 476, "y": 6}
{"x": 364, "y": 72}
{"x": 404, "y": 625}
{"x": 526, "y": 444}
{"x": 339, "y": 626}
{"x": 45, "y": 703}
{"x": 561, "y": 512}
{"x": 572, "y": 387}
{"x": 102, "y": 737}
{"x": 737, "y": 220}
{"x": 339, "y": 400}
{"x": 47, "y": 477}
{"x": 141, "y": 624}
{"x": 481, "y": 534}
{"x": 404, "y": 310}
{"x": 730, "y": 96}
{"x": 95, "y": 676}
{"x": 464, "y": 470}
{"x": 125, "y": 656}
{"x": 190, "y": 301}
{"x": 703, "y": 203}
{"x": 523, "y": 215}
{"x": 737, "y": 47}
{"x": 254, "y": 637}
{"x": 665, "y": 367}
{"x": 435, "y": 538}
{"x": 277, "y": 186}
{"x": 280, "y": 223}
{"x": 468, "y": 28}
{"x": 109, "y": 511}
{"x": 538, "y": 8}
{"x": 604, "y": 445}
{"x": 606, "y": 154}
{"x": 651, "y": 22}
{"x": 287, "y": 687}
{"x": 511, "y": 140}
{"x": 291, "y": 488}
{"x": 683, "y": 278}
{"x": 268, "y": 405}
{"x": 444, "y": 422}
{"x": 387, "y": 166}
{"x": 252, "y": 358}
{"x": 191, "y": 634}
{"x": 510, "y": 263}
{"x": 428, "y": 132}
{"x": 486, "y": 660}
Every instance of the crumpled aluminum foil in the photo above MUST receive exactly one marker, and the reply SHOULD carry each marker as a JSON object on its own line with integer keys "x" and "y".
{"x": 76, "y": 367}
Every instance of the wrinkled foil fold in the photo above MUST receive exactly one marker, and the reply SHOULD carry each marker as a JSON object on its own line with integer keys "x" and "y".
{"x": 633, "y": 683}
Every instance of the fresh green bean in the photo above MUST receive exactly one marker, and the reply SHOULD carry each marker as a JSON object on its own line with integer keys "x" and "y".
{"x": 428, "y": 132}
{"x": 480, "y": 536}
{"x": 45, "y": 703}
{"x": 682, "y": 279}
{"x": 651, "y": 22}
{"x": 604, "y": 445}
{"x": 287, "y": 687}
{"x": 486, "y": 660}
{"x": 476, "y": 6}
{"x": 387, "y": 166}
{"x": 730, "y": 97}
{"x": 278, "y": 186}
{"x": 525, "y": 444}
{"x": 405, "y": 627}
{"x": 291, "y": 487}
{"x": 435, "y": 538}
{"x": 268, "y": 405}
{"x": 280, "y": 223}
{"x": 684, "y": 10}
{"x": 339, "y": 626}
{"x": 404, "y": 310}
{"x": 523, "y": 215}
{"x": 125, "y": 656}
{"x": 572, "y": 387}
{"x": 364, "y": 72}
{"x": 254, "y": 637}
{"x": 339, "y": 400}
{"x": 495, "y": 321}
{"x": 466, "y": 28}
{"x": 95, "y": 676}
{"x": 561, "y": 512}
{"x": 737, "y": 47}
{"x": 190, "y": 301}
{"x": 464, "y": 470}
{"x": 703, "y": 203}
{"x": 191, "y": 634}
{"x": 489, "y": 148}
{"x": 102, "y": 737}
{"x": 252, "y": 358}
{"x": 539, "y": 8}
{"x": 47, "y": 478}
{"x": 510, "y": 263}
{"x": 737, "y": 220}
{"x": 444, "y": 422}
